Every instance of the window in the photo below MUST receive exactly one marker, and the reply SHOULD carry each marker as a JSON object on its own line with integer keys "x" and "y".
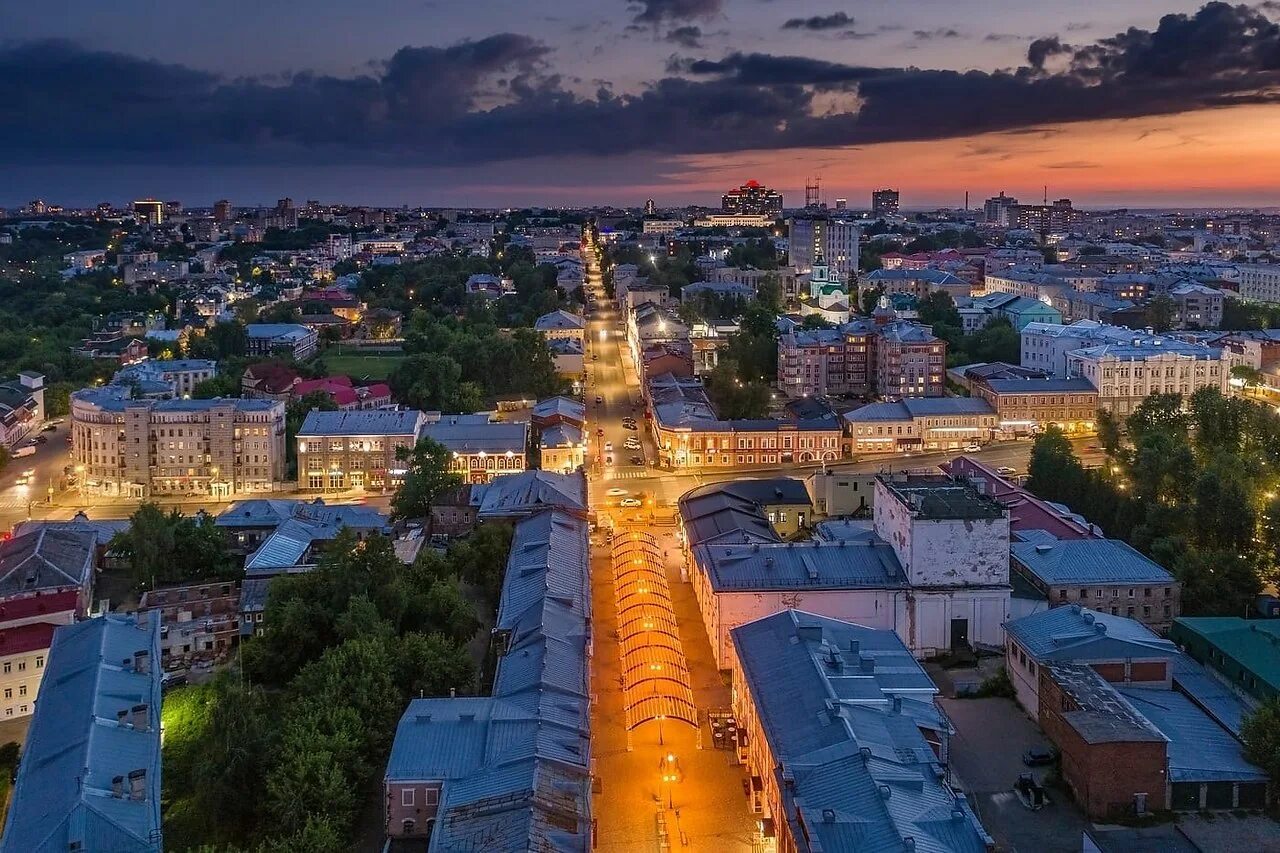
{"x": 39, "y": 661}
{"x": 8, "y": 693}
{"x": 22, "y": 666}
{"x": 22, "y": 690}
{"x": 430, "y": 796}
{"x": 7, "y": 666}
{"x": 406, "y": 796}
{"x": 1062, "y": 595}
{"x": 1146, "y": 611}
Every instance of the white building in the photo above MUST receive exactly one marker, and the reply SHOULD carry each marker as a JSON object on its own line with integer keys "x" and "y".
{"x": 1126, "y": 373}
{"x": 662, "y": 226}
{"x": 1259, "y": 282}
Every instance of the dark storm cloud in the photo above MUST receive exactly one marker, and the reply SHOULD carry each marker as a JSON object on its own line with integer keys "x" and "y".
{"x": 658, "y": 11}
{"x": 688, "y": 37}
{"x": 817, "y": 23}
{"x": 498, "y": 98}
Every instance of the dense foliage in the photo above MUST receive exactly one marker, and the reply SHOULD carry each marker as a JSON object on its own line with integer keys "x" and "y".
{"x": 169, "y": 547}
{"x": 1195, "y": 487}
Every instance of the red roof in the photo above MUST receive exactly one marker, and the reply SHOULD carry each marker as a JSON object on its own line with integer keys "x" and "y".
{"x": 272, "y": 377}
{"x": 1026, "y": 511}
{"x": 26, "y": 638}
{"x": 14, "y": 609}
{"x": 341, "y": 390}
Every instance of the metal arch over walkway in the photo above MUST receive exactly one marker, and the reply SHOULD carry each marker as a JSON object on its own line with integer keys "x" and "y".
{"x": 655, "y": 675}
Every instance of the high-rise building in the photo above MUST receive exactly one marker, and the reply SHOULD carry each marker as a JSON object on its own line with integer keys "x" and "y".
{"x": 996, "y": 209}
{"x": 650, "y": 207}
{"x": 149, "y": 210}
{"x": 173, "y": 208}
{"x": 752, "y": 197}
{"x": 821, "y": 237}
{"x": 842, "y": 204}
{"x": 286, "y": 214}
{"x": 884, "y": 203}
{"x": 222, "y": 211}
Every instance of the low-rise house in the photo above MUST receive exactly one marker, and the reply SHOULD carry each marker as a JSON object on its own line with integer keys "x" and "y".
{"x": 89, "y": 778}
{"x": 1025, "y": 405}
{"x": 918, "y": 282}
{"x": 21, "y": 407}
{"x": 355, "y": 449}
{"x": 834, "y": 767}
{"x": 346, "y": 395}
{"x": 247, "y": 524}
{"x": 112, "y": 346}
{"x": 489, "y": 286}
{"x": 569, "y": 357}
{"x": 198, "y": 622}
{"x": 561, "y": 324}
{"x": 273, "y": 338}
{"x": 481, "y": 450}
{"x": 510, "y": 771}
{"x": 1102, "y": 574}
{"x": 1018, "y": 310}
{"x": 269, "y": 380}
{"x": 1242, "y": 651}
{"x": 920, "y": 423}
{"x": 527, "y": 493}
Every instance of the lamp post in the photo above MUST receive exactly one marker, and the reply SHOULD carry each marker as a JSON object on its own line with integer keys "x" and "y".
{"x": 669, "y": 772}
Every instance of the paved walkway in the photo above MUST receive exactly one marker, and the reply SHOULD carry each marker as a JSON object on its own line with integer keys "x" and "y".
{"x": 635, "y": 811}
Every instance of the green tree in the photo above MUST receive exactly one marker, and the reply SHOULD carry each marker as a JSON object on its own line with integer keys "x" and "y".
{"x": 1260, "y": 733}
{"x": 1109, "y": 433}
{"x": 732, "y": 397}
{"x": 481, "y": 559}
{"x": 1161, "y": 312}
{"x": 1216, "y": 582}
{"x": 432, "y": 665}
{"x": 1054, "y": 471}
{"x": 427, "y": 477}
{"x": 869, "y": 298}
{"x": 1250, "y": 377}
{"x": 938, "y": 307}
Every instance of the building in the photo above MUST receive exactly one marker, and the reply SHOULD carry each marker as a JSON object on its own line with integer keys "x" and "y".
{"x": 916, "y": 282}
{"x": 841, "y": 493}
{"x": 346, "y": 396}
{"x": 936, "y": 573}
{"x": 735, "y": 220}
{"x": 1102, "y": 574}
{"x": 89, "y": 778}
{"x": 834, "y": 240}
{"x": 653, "y": 225}
{"x": 561, "y": 324}
{"x": 827, "y": 296}
{"x": 179, "y": 376}
{"x": 512, "y": 770}
{"x": 752, "y": 198}
{"x": 248, "y": 524}
{"x": 1259, "y": 282}
{"x": 884, "y": 203}
{"x": 562, "y": 447}
{"x": 911, "y": 424}
{"x": 198, "y": 622}
{"x": 21, "y": 407}
{"x": 275, "y": 338}
{"x": 481, "y": 449}
{"x": 1120, "y": 648}
{"x": 1127, "y": 373}
{"x": 1199, "y": 306}
{"x": 223, "y": 211}
{"x": 996, "y": 209}
{"x": 782, "y": 502}
{"x": 1242, "y": 652}
{"x": 355, "y": 449}
{"x": 139, "y": 448}
{"x": 837, "y": 767}
{"x": 149, "y": 211}
{"x": 1018, "y": 310}
{"x": 1029, "y": 404}
{"x": 269, "y": 380}
{"x": 894, "y": 358}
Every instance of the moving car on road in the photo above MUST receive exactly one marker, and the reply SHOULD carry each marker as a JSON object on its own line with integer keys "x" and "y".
{"x": 631, "y": 502}
{"x": 973, "y": 448}
{"x": 608, "y": 447}
{"x": 637, "y": 460}
{"x": 616, "y": 492}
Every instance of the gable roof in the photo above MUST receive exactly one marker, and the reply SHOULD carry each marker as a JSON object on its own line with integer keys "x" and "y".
{"x": 47, "y": 559}
{"x": 76, "y": 746}
{"x": 1080, "y": 561}
{"x": 1074, "y": 633}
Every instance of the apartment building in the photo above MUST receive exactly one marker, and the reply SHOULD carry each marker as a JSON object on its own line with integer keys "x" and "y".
{"x": 1126, "y": 373}
{"x": 355, "y": 449}
{"x": 1259, "y": 282}
{"x": 811, "y": 238}
{"x": 891, "y": 358}
{"x": 138, "y": 448}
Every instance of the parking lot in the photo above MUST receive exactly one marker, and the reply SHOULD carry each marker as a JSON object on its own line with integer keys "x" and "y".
{"x": 986, "y": 759}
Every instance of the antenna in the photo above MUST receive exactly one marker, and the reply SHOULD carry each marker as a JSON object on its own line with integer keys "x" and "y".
{"x": 812, "y": 192}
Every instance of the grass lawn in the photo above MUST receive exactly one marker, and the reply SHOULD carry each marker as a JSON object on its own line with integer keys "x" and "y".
{"x": 360, "y": 365}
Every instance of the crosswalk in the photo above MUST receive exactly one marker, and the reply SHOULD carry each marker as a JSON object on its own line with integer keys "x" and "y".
{"x": 623, "y": 474}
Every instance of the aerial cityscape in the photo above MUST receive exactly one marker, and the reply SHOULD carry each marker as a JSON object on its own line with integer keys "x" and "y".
{"x": 640, "y": 426}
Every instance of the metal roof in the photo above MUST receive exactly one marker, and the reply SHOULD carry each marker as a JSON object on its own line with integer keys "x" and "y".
{"x": 289, "y": 544}
{"x": 47, "y": 559}
{"x": 1200, "y": 750}
{"x": 920, "y": 407}
{"x": 848, "y": 564}
{"x": 77, "y": 744}
{"x": 835, "y": 702}
{"x": 563, "y": 407}
{"x": 1086, "y": 561}
{"x": 362, "y": 422}
{"x": 1254, "y": 643}
{"x": 1074, "y": 633}
{"x": 478, "y": 437}
{"x": 559, "y": 320}
{"x": 511, "y": 495}
{"x": 1032, "y": 385}
{"x": 939, "y": 497}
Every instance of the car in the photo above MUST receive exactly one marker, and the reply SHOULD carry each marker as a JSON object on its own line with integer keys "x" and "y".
{"x": 631, "y": 502}
{"x": 608, "y": 460}
{"x": 616, "y": 492}
{"x": 631, "y": 445}
{"x": 637, "y": 460}
{"x": 629, "y": 425}
{"x": 30, "y": 472}
{"x": 40, "y": 439}
{"x": 21, "y": 481}
{"x": 1006, "y": 471}
{"x": 973, "y": 448}
{"x": 172, "y": 679}
{"x": 599, "y": 399}
{"x": 25, "y": 451}
{"x": 608, "y": 447}
{"x": 49, "y": 428}
{"x": 1039, "y": 756}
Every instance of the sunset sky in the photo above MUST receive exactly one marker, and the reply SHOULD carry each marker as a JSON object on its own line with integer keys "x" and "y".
{"x": 499, "y": 102}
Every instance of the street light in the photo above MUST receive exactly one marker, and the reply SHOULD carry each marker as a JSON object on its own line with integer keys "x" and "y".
{"x": 669, "y": 771}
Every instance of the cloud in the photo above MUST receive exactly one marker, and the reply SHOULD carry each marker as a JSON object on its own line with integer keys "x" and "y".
{"x": 658, "y": 11}
{"x": 499, "y": 98}
{"x": 687, "y": 36}
{"x": 1073, "y": 164}
{"x": 818, "y": 23}
{"x": 939, "y": 33}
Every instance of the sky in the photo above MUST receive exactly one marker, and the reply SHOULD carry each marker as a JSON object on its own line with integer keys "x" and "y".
{"x": 1145, "y": 103}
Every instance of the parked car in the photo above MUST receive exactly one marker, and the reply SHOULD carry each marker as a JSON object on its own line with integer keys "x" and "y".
{"x": 173, "y": 679}
{"x": 48, "y": 428}
{"x": 599, "y": 399}
{"x": 1039, "y": 756}
{"x": 608, "y": 460}
{"x": 628, "y": 425}
{"x": 973, "y": 448}
{"x": 1006, "y": 471}
{"x": 25, "y": 451}
{"x": 1030, "y": 792}
{"x": 631, "y": 502}
{"x": 608, "y": 447}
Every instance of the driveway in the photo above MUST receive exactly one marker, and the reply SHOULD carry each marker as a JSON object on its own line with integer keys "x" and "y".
{"x": 986, "y": 758}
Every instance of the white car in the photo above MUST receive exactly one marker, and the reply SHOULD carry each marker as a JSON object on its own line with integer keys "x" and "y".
{"x": 608, "y": 447}
{"x": 973, "y": 448}
{"x": 1006, "y": 471}
{"x": 631, "y": 502}
{"x": 616, "y": 492}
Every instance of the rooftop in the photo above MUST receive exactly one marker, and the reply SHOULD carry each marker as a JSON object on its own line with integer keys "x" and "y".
{"x": 1200, "y": 750}
{"x": 866, "y": 563}
{"x": 512, "y": 495}
{"x": 77, "y": 746}
{"x": 842, "y": 707}
{"x": 360, "y": 423}
{"x": 1074, "y": 633}
{"x": 45, "y": 560}
{"x": 1087, "y": 561}
{"x": 919, "y": 407}
{"x": 1103, "y": 715}
{"x": 1253, "y": 643}
{"x": 939, "y": 497}
{"x": 496, "y": 437}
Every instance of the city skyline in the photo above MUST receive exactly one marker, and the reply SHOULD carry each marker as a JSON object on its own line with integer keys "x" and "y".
{"x": 430, "y": 104}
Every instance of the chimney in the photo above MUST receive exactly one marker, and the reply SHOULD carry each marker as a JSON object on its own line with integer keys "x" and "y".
{"x": 142, "y": 661}
{"x": 117, "y": 787}
{"x": 122, "y": 716}
{"x": 854, "y": 645}
{"x": 137, "y": 784}
{"x": 867, "y": 663}
{"x": 138, "y": 717}
{"x": 908, "y": 843}
{"x": 885, "y": 792}
{"x": 897, "y": 705}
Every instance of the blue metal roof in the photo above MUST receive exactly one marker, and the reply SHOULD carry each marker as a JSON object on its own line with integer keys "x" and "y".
{"x": 1040, "y": 386}
{"x": 362, "y": 422}
{"x": 288, "y": 544}
{"x": 849, "y": 564}
{"x": 476, "y": 437}
{"x": 76, "y": 745}
{"x": 1084, "y": 561}
{"x": 1074, "y": 633}
{"x": 516, "y": 765}
{"x": 1200, "y": 750}
{"x": 833, "y": 699}
{"x": 511, "y": 495}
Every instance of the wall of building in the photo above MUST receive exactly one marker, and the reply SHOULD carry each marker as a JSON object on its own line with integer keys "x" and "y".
{"x": 418, "y": 802}
{"x": 943, "y": 552}
{"x": 20, "y": 676}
